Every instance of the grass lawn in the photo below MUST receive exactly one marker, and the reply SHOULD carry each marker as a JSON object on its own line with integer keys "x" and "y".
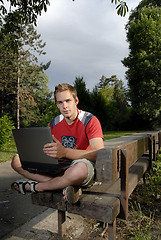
{"x": 114, "y": 134}
{"x": 6, "y": 155}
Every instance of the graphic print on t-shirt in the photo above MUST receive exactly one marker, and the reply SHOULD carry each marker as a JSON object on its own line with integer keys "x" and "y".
{"x": 68, "y": 141}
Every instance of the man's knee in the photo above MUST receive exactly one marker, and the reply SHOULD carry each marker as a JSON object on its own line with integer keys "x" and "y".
{"x": 15, "y": 163}
{"x": 78, "y": 172}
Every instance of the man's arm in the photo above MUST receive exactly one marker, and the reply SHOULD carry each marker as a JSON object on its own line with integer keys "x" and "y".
{"x": 56, "y": 150}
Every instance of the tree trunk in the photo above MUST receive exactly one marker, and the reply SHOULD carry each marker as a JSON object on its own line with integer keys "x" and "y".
{"x": 18, "y": 92}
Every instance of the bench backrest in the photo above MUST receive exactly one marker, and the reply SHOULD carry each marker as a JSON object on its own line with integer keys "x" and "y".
{"x": 108, "y": 162}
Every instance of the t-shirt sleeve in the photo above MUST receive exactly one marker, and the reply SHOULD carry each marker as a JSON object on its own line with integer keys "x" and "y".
{"x": 94, "y": 129}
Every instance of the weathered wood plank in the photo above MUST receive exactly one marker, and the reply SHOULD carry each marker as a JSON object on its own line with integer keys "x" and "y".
{"x": 135, "y": 148}
{"x": 104, "y": 166}
{"x": 112, "y": 230}
{"x": 124, "y": 175}
{"x": 136, "y": 172}
{"x": 61, "y": 223}
{"x": 101, "y": 207}
{"x": 159, "y": 140}
{"x": 108, "y": 160}
{"x": 51, "y": 199}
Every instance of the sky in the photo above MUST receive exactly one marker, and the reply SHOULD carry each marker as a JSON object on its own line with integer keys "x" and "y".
{"x": 84, "y": 38}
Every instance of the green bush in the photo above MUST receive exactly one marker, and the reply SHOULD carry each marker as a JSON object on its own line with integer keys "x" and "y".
{"x": 6, "y": 137}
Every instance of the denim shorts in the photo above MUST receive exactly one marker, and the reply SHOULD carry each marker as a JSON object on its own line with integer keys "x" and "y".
{"x": 90, "y": 178}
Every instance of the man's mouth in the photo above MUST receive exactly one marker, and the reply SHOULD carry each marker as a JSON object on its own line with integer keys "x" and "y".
{"x": 66, "y": 112}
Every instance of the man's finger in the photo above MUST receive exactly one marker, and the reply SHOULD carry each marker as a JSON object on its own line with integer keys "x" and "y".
{"x": 54, "y": 138}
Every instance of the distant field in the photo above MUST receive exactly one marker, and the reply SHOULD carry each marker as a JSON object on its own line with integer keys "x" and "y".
{"x": 115, "y": 134}
{"x": 6, "y": 155}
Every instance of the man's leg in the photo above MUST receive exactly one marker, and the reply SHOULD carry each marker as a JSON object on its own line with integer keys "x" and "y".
{"x": 75, "y": 175}
{"x": 16, "y": 165}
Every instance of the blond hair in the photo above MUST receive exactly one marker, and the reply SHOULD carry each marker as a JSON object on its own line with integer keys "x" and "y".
{"x": 65, "y": 87}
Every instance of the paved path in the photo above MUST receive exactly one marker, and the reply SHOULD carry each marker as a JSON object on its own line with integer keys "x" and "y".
{"x": 15, "y": 209}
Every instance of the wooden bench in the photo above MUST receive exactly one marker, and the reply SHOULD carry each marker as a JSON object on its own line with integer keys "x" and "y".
{"x": 119, "y": 167}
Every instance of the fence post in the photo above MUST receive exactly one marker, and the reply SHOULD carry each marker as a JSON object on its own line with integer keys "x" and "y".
{"x": 124, "y": 174}
{"x": 61, "y": 223}
{"x": 150, "y": 152}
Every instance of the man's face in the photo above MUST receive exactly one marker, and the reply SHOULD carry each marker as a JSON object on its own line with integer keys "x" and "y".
{"x": 67, "y": 104}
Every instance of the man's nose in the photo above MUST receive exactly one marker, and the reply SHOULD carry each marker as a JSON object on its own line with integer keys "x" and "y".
{"x": 64, "y": 104}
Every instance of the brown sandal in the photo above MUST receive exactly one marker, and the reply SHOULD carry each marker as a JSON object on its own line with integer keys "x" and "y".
{"x": 72, "y": 194}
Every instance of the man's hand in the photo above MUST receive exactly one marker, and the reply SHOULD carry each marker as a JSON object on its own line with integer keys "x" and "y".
{"x": 55, "y": 149}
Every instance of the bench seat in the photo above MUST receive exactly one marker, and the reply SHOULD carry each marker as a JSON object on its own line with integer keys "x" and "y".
{"x": 101, "y": 201}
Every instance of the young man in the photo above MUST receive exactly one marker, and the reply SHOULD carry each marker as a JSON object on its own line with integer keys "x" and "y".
{"x": 77, "y": 135}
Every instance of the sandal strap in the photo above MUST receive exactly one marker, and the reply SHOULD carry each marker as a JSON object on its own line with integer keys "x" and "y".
{"x": 21, "y": 186}
{"x": 32, "y": 186}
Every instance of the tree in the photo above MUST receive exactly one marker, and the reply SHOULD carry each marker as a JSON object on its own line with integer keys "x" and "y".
{"x": 107, "y": 101}
{"x": 122, "y": 7}
{"x": 28, "y": 9}
{"x": 31, "y": 9}
{"x": 7, "y": 74}
{"x": 90, "y": 101}
{"x": 144, "y": 62}
{"x": 28, "y": 77}
{"x": 117, "y": 106}
{"x": 6, "y": 137}
{"x": 143, "y": 3}
{"x": 112, "y": 88}
{"x": 83, "y": 94}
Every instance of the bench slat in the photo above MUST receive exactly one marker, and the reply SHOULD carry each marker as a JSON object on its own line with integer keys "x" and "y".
{"x": 136, "y": 172}
{"x": 101, "y": 207}
{"x": 49, "y": 199}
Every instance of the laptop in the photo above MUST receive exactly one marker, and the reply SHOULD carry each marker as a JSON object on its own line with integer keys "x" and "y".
{"x": 30, "y": 143}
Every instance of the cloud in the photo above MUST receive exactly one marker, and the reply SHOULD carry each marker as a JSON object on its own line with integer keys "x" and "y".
{"x": 84, "y": 38}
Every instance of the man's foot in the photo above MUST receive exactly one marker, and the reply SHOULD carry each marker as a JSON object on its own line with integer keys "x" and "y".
{"x": 72, "y": 194}
{"x": 24, "y": 186}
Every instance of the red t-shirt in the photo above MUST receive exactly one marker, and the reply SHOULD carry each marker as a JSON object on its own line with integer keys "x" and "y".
{"x": 77, "y": 135}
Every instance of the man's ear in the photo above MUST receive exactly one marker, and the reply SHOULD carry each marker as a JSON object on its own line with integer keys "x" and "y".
{"x": 76, "y": 100}
{"x": 56, "y": 105}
